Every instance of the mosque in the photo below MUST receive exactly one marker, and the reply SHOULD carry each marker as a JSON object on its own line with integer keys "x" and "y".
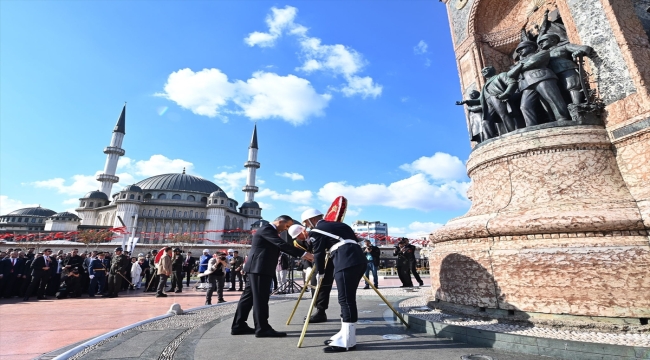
{"x": 155, "y": 207}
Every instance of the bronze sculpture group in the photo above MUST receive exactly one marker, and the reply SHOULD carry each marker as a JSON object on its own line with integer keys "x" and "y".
{"x": 546, "y": 77}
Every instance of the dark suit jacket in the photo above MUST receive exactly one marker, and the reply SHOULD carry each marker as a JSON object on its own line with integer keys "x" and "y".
{"x": 343, "y": 258}
{"x": 37, "y": 267}
{"x": 265, "y": 250}
{"x": 191, "y": 261}
{"x": 8, "y": 269}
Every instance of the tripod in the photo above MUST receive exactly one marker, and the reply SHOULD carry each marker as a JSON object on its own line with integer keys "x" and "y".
{"x": 289, "y": 286}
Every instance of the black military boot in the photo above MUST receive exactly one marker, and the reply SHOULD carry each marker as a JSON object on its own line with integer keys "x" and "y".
{"x": 318, "y": 317}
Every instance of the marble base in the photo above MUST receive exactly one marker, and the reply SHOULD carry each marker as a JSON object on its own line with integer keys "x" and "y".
{"x": 552, "y": 229}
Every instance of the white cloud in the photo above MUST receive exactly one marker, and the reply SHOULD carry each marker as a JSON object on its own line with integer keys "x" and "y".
{"x": 265, "y": 206}
{"x": 81, "y": 184}
{"x": 440, "y": 166}
{"x": 435, "y": 184}
{"x": 265, "y": 95}
{"x": 421, "y": 48}
{"x": 295, "y": 197}
{"x": 292, "y": 176}
{"x": 363, "y": 86}
{"x": 203, "y": 92}
{"x": 415, "y": 230}
{"x": 268, "y": 95}
{"x": 73, "y": 201}
{"x": 404, "y": 99}
{"x": 8, "y": 205}
{"x": 277, "y": 21}
{"x": 337, "y": 59}
{"x": 396, "y": 231}
{"x": 231, "y": 182}
{"x": 157, "y": 165}
{"x": 421, "y": 229}
{"x": 352, "y": 212}
{"x": 415, "y": 192}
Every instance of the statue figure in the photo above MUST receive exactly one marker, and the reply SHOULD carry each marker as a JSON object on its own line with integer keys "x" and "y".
{"x": 537, "y": 80}
{"x": 494, "y": 99}
{"x": 563, "y": 64}
{"x": 552, "y": 24}
{"x": 480, "y": 129}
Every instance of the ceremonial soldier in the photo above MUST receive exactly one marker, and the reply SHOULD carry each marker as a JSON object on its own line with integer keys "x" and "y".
{"x": 120, "y": 264}
{"x": 97, "y": 275}
{"x": 177, "y": 271}
{"x": 302, "y": 241}
{"x": 152, "y": 275}
{"x": 349, "y": 265}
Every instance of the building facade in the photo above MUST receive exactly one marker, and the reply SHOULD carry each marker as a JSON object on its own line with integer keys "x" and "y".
{"x": 374, "y": 230}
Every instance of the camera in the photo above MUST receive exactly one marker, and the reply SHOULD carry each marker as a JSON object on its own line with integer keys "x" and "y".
{"x": 222, "y": 257}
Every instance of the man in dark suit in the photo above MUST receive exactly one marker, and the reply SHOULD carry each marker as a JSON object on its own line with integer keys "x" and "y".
{"x": 188, "y": 266}
{"x": 40, "y": 275}
{"x": 12, "y": 269}
{"x": 349, "y": 262}
{"x": 262, "y": 260}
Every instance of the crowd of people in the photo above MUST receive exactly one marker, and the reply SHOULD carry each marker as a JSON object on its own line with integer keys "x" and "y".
{"x": 25, "y": 273}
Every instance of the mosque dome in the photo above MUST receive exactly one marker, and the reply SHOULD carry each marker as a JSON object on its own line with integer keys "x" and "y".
{"x": 132, "y": 188}
{"x": 66, "y": 215}
{"x": 250, "y": 204}
{"x": 178, "y": 182}
{"x": 33, "y": 211}
{"x": 219, "y": 193}
{"x": 95, "y": 195}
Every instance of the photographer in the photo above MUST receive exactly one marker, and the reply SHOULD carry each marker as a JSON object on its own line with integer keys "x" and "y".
{"x": 403, "y": 262}
{"x": 372, "y": 254}
{"x": 216, "y": 277}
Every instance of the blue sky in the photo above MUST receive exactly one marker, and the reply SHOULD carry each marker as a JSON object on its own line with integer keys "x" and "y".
{"x": 352, "y": 98}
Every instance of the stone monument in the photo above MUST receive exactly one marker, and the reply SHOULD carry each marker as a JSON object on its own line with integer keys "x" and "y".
{"x": 560, "y": 217}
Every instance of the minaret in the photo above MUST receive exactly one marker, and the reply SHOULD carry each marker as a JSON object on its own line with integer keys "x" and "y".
{"x": 113, "y": 153}
{"x": 252, "y": 165}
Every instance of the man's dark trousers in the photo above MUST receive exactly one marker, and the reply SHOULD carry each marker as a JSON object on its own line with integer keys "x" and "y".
{"x": 177, "y": 280}
{"x": 162, "y": 282}
{"x": 233, "y": 276}
{"x": 404, "y": 272}
{"x": 323, "y": 299}
{"x": 114, "y": 284}
{"x": 414, "y": 271}
{"x": 255, "y": 297}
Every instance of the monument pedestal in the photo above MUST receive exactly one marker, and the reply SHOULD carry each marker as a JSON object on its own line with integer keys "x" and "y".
{"x": 553, "y": 229}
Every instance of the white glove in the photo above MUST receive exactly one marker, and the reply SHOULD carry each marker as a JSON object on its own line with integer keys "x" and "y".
{"x": 307, "y": 272}
{"x": 319, "y": 277}
{"x": 91, "y": 277}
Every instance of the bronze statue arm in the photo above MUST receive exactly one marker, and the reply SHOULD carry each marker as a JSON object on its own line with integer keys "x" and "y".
{"x": 512, "y": 87}
{"x": 541, "y": 59}
{"x": 580, "y": 51}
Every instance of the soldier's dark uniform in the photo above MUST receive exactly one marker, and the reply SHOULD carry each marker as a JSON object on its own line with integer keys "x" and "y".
{"x": 349, "y": 266}
{"x": 97, "y": 271}
{"x": 177, "y": 271}
{"x": 403, "y": 265}
{"x": 152, "y": 282}
{"x": 120, "y": 264}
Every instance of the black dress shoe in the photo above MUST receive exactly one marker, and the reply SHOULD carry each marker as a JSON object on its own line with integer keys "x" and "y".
{"x": 178, "y": 291}
{"x": 318, "y": 317}
{"x": 240, "y": 290}
{"x": 421, "y": 284}
{"x": 208, "y": 303}
{"x": 366, "y": 287}
{"x": 232, "y": 289}
{"x": 26, "y": 299}
{"x": 242, "y": 331}
{"x": 335, "y": 349}
{"x": 221, "y": 301}
{"x": 270, "y": 333}
{"x": 161, "y": 295}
